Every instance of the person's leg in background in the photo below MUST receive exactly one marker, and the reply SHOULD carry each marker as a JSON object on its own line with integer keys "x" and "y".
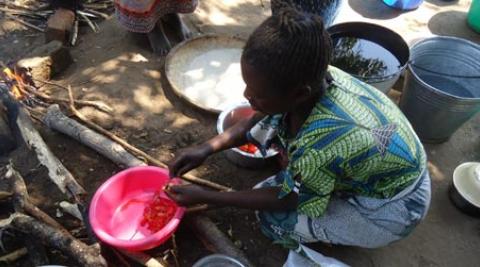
{"x": 327, "y": 9}
{"x": 59, "y": 25}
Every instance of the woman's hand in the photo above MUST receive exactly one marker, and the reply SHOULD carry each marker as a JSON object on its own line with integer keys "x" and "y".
{"x": 188, "y": 159}
{"x": 187, "y": 195}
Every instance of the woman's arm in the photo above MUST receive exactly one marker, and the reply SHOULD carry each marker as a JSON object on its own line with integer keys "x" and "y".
{"x": 234, "y": 136}
{"x": 193, "y": 157}
{"x": 256, "y": 199}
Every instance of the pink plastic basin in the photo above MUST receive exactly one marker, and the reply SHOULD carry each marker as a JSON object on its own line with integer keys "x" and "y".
{"x": 117, "y": 208}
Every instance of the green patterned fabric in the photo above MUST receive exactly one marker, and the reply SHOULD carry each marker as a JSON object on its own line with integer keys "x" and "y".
{"x": 355, "y": 142}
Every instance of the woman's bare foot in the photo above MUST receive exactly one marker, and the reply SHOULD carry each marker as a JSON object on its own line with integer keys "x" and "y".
{"x": 159, "y": 41}
{"x": 179, "y": 28}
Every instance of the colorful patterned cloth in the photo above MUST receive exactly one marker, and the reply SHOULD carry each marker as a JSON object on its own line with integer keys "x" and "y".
{"x": 142, "y": 15}
{"x": 327, "y": 9}
{"x": 352, "y": 221}
{"x": 355, "y": 142}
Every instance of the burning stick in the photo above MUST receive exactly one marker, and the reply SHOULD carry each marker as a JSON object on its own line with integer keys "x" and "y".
{"x": 57, "y": 172}
{"x": 22, "y": 88}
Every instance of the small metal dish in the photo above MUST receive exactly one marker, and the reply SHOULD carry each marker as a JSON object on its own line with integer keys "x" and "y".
{"x": 218, "y": 260}
{"x": 227, "y": 119}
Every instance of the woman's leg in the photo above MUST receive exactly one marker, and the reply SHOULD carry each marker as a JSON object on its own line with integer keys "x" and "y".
{"x": 328, "y": 9}
{"x": 178, "y": 26}
{"x": 158, "y": 40}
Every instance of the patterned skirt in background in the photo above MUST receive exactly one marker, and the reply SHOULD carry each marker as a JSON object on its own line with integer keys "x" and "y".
{"x": 327, "y": 9}
{"x": 353, "y": 221}
{"x": 142, "y": 15}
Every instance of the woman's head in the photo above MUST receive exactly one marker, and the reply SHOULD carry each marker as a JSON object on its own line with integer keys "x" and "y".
{"x": 285, "y": 61}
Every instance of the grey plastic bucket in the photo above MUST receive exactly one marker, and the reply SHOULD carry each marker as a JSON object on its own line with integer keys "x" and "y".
{"x": 440, "y": 91}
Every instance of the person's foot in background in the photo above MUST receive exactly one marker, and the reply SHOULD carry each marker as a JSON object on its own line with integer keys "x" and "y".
{"x": 178, "y": 27}
{"x": 158, "y": 40}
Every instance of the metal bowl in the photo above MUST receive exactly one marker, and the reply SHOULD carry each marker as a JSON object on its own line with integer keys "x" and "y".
{"x": 227, "y": 119}
{"x": 465, "y": 190}
{"x": 218, "y": 260}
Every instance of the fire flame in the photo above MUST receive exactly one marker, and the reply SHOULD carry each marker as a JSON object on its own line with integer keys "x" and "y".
{"x": 16, "y": 83}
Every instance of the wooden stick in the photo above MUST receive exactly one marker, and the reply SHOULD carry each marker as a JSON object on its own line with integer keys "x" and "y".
{"x": 89, "y": 22}
{"x": 24, "y": 22}
{"x": 142, "y": 258}
{"x": 211, "y": 236}
{"x": 96, "y": 104}
{"x": 19, "y": 117}
{"x": 36, "y": 251}
{"x": 137, "y": 151}
{"x": 103, "y": 15}
{"x": 175, "y": 251}
{"x": 5, "y": 195}
{"x": 71, "y": 209}
{"x": 99, "y": 105}
{"x": 120, "y": 257}
{"x": 19, "y": 12}
{"x": 56, "y": 120}
{"x": 72, "y": 247}
{"x": 73, "y": 39}
{"x": 198, "y": 208}
{"x": 13, "y": 256}
{"x": 22, "y": 202}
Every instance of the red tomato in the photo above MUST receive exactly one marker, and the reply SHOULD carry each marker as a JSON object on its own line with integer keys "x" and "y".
{"x": 249, "y": 148}
{"x": 158, "y": 213}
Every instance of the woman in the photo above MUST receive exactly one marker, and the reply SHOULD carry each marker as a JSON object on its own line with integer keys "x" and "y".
{"x": 354, "y": 170}
{"x": 151, "y": 16}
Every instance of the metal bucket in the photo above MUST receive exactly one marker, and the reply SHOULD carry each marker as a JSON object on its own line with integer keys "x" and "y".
{"x": 442, "y": 87}
{"x": 384, "y": 37}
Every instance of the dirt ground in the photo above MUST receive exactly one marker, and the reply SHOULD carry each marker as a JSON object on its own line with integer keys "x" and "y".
{"x": 118, "y": 68}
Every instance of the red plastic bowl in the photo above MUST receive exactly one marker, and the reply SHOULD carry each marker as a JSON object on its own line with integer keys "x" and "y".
{"x": 117, "y": 208}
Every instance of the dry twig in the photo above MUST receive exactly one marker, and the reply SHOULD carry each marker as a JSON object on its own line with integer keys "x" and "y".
{"x": 135, "y": 150}
{"x": 24, "y": 22}
{"x": 96, "y": 104}
{"x": 89, "y": 22}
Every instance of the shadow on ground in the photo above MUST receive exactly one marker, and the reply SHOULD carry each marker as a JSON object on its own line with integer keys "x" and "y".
{"x": 453, "y": 23}
{"x": 442, "y": 3}
{"x": 374, "y": 9}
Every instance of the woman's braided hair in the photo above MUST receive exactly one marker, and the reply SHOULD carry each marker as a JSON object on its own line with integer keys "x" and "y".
{"x": 292, "y": 49}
